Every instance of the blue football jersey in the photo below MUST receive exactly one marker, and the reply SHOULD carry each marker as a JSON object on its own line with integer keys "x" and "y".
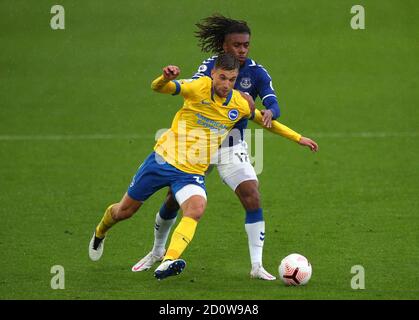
{"x": 254, "y": 79}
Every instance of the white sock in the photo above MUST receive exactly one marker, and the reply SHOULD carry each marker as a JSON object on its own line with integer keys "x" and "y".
{"x": 256, "y": 235}
{"x": 161, "y": 233}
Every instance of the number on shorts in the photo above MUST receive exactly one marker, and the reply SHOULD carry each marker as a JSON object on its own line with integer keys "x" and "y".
{"x": 243, "y": 157}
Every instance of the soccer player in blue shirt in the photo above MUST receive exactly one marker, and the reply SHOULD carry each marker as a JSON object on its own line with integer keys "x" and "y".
{"x": 218, "y": 34}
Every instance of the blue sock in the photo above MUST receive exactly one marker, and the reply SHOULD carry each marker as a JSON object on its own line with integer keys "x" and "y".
{"x": 254, "y": 216}
{"x": 167, "y": 214}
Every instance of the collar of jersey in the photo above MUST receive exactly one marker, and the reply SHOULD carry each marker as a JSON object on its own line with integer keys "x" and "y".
{"x": 227, "y": 100}
{"x": 246, "y": 63}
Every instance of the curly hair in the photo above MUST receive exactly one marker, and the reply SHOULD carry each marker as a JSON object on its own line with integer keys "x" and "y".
{"x": 213, "y": 30}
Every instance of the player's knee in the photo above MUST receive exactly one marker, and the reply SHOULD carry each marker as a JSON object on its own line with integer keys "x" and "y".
{"x": 194, "y": 207}
{"x": 195, "y": 212}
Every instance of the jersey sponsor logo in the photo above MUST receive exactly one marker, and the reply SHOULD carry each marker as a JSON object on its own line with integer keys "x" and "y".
{"x": 233, "y": 114}
{"x": 245, "y": 83}
{"x": 199, "y": 179}
{"x": 209, "y": 123}
{"x": 205, "y": 101}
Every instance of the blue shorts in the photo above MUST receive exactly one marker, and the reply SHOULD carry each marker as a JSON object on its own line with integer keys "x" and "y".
{"x": 155, "y": 174}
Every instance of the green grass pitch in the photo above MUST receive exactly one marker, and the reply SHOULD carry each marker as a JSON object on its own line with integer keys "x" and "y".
{"x": 77, "y": 117}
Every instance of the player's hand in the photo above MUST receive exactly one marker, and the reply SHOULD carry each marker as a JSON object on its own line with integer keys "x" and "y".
{"x": 309, "y": 143}
{"x": 171, "y": 72}
{"x": 250, "y": 101}
{"x": 267, "y": 118}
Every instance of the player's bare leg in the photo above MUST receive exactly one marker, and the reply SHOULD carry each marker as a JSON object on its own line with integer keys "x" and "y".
{"x": 165, "y": 219}
{"x": 248, "y": 193}
{"x": 193, "y": 209}
{"x": 116, "y": 212}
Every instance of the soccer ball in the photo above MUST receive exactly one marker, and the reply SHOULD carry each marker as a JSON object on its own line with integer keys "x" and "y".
{"x": 295, "y": 270}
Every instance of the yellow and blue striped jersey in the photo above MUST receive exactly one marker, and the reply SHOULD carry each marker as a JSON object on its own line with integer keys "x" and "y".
{"x": 201, "y": 125}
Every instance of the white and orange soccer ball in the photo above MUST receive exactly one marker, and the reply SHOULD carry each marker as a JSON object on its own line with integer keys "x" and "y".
{"x": 295, "y": 270}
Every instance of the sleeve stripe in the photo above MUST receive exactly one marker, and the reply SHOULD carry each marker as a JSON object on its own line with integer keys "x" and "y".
{"x": 268, "y": 95}
{"x": 209, "y": 60}
{"x": 177, "y": 91}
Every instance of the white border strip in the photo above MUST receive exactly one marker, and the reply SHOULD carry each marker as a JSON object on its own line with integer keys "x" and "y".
{"x": 268, "y": 95}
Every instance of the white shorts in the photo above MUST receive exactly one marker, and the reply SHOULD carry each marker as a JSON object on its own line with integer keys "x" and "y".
{"x": 188, "y": 191}
{"x": 234, "y": 165}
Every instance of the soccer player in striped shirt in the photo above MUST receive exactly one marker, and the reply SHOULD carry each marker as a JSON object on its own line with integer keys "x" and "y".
{"x": 210, "y": 110}
{"x": 219, "y": 34}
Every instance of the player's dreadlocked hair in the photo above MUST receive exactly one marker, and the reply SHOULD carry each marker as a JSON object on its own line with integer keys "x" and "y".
{"x": 212, "y": 32}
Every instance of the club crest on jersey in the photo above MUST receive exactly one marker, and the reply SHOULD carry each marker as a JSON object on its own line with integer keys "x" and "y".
{"x": 233, "y": 114}
{"x": 245, "y": 83}
{"x": 202, "y": 68}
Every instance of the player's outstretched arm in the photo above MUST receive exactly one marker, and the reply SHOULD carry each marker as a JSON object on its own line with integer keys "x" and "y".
{"x": 164, "y": 84}
{"x": 309, "y": 143}
{"x": 284, "y": 131}
{"x": 277, "y": 128}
